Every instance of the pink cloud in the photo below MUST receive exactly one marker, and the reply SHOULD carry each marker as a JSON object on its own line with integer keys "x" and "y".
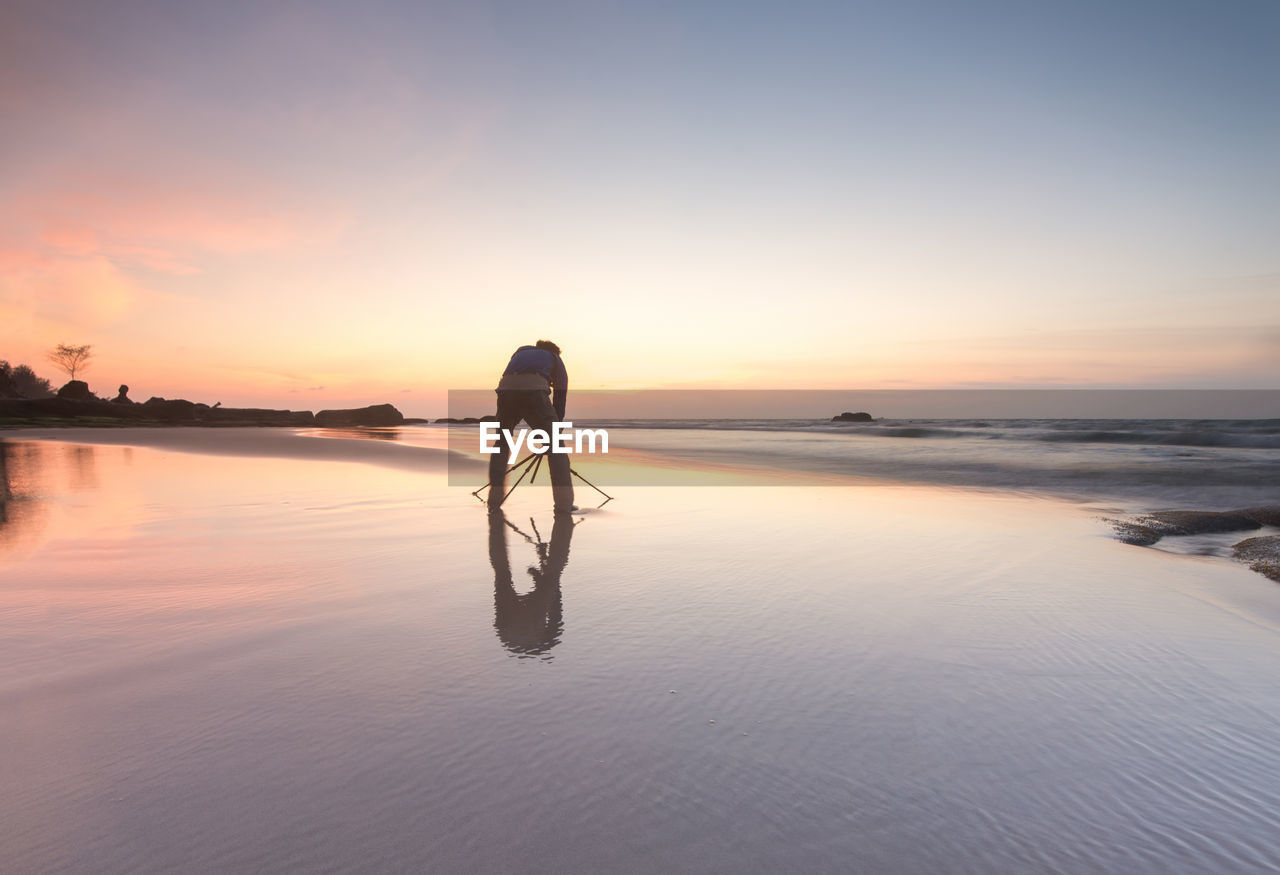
{"x": 91, "y": 258}
{"x": 163, "y": 228}
{"x": 78, "y": 292}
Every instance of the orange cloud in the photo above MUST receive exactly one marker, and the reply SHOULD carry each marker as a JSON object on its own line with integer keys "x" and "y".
{"x": 83, "y": 292}
{"x": 164, "y": 228}
{"x": 92, "y": 253}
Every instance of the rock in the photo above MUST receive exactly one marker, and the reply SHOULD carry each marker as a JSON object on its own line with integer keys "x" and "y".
{"x": 1267, "y": 516}
{"x": 853, "y": 417}
{"x": 1146, "y": 530}
{"x": 93, "y": 411}
{"x": 176, "y": 410}
{"x": 1197, "y": 522}
{"x": 466, "y": 420}
{"x": 378, "y": 414}
{"x": 122, "y": 397}
{"x": 1133, "y": 533}
{"x": 1262, "y": 554}
{"x": 256, "y": 416}
{"x": 159, "y": 411}
{"x": 77, "y": 390}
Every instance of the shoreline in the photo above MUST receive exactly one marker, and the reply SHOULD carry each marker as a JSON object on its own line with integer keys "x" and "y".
{"x": 79, "y": 407}
{"x": 1249, "y": 537}
{"x": 274, "y": 442}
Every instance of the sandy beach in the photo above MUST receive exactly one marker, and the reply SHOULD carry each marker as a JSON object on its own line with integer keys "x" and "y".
{"x": 302, "y": 653}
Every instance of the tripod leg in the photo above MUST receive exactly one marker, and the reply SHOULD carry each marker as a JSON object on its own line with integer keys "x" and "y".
{"x": 526, "y": 460}
{"x": 532, "y": 457}
{"x": 589, "y": 483}
{"x": 513, "y": 487}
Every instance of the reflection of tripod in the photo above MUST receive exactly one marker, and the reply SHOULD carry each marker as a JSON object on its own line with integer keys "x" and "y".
{"x": 532, "y": 470}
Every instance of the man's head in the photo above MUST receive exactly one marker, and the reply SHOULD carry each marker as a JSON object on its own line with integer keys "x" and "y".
{"x": 548, "y": 346}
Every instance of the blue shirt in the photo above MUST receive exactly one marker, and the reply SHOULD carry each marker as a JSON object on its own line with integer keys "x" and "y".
{"x": 532, "y": 360}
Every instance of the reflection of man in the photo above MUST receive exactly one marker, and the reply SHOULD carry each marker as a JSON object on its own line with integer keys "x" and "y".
{"x": 530, "y": 623}
{"x": 6, "y": 491}
{"x": 524, "y": 392}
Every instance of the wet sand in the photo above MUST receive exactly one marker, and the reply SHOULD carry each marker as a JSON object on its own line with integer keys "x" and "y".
{"x": 275, "y": 659}
{"x": 340, "y": 445}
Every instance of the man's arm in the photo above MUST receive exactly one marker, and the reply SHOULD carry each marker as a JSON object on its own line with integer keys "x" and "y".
{"x": 560, "y": 387}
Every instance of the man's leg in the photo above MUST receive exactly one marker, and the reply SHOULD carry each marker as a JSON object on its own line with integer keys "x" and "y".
{"x": 509, "y": 414}
{"x": 541, "y": 414}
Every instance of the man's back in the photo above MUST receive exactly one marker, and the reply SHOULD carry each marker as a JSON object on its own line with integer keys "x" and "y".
{"x": 541, "y": 362}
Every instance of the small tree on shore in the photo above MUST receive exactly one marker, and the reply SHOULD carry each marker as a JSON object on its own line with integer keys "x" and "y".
{"x": 71, "y": 358}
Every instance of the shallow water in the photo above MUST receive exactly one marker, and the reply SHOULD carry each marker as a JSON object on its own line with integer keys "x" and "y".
{"x": 272, "y": 664}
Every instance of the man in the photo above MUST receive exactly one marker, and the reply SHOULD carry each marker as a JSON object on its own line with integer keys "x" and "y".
{"x": 525, "y": 392}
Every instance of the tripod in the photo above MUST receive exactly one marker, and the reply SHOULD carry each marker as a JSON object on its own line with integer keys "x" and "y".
{"x": 536, "y": 459}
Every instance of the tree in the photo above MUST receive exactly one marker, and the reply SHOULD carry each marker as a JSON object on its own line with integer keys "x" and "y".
{"x": 29, "y": 385}
{"x": 71, "y": 358}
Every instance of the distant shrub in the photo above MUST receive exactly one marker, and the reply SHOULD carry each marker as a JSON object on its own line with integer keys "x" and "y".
{"x": 29, "y": 384}
{"x": 22, "y": 382}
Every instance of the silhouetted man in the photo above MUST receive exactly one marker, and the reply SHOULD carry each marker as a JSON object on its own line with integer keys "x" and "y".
{"x": 525, "y": 393}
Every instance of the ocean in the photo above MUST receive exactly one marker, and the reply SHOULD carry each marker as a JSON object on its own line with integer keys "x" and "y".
{"x": 1141, "y": 464}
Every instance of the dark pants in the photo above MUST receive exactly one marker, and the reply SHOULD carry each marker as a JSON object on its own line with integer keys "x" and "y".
{"x": 534, "y": 407}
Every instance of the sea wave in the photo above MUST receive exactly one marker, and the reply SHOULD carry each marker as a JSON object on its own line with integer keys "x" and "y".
{"x": 1157, "y": 462}
{"x": 1258, "y": 434}
{"x": 1144, "y": 464}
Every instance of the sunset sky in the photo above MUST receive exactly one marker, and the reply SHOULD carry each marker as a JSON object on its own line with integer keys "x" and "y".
{"x": 310, "y": 204}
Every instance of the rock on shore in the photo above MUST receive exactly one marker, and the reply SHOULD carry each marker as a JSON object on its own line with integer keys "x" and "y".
{"x": 378, "y": 414}
{"x": 1262, "y": 554}
{"x": 160, "y": 411}
{"x": 257, "y": 415}
{"x": 1150, "y": 528}
{"x": 860, "y": 416}
{"x": 76, "y": 405}
{"x": 77, "y": 390}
